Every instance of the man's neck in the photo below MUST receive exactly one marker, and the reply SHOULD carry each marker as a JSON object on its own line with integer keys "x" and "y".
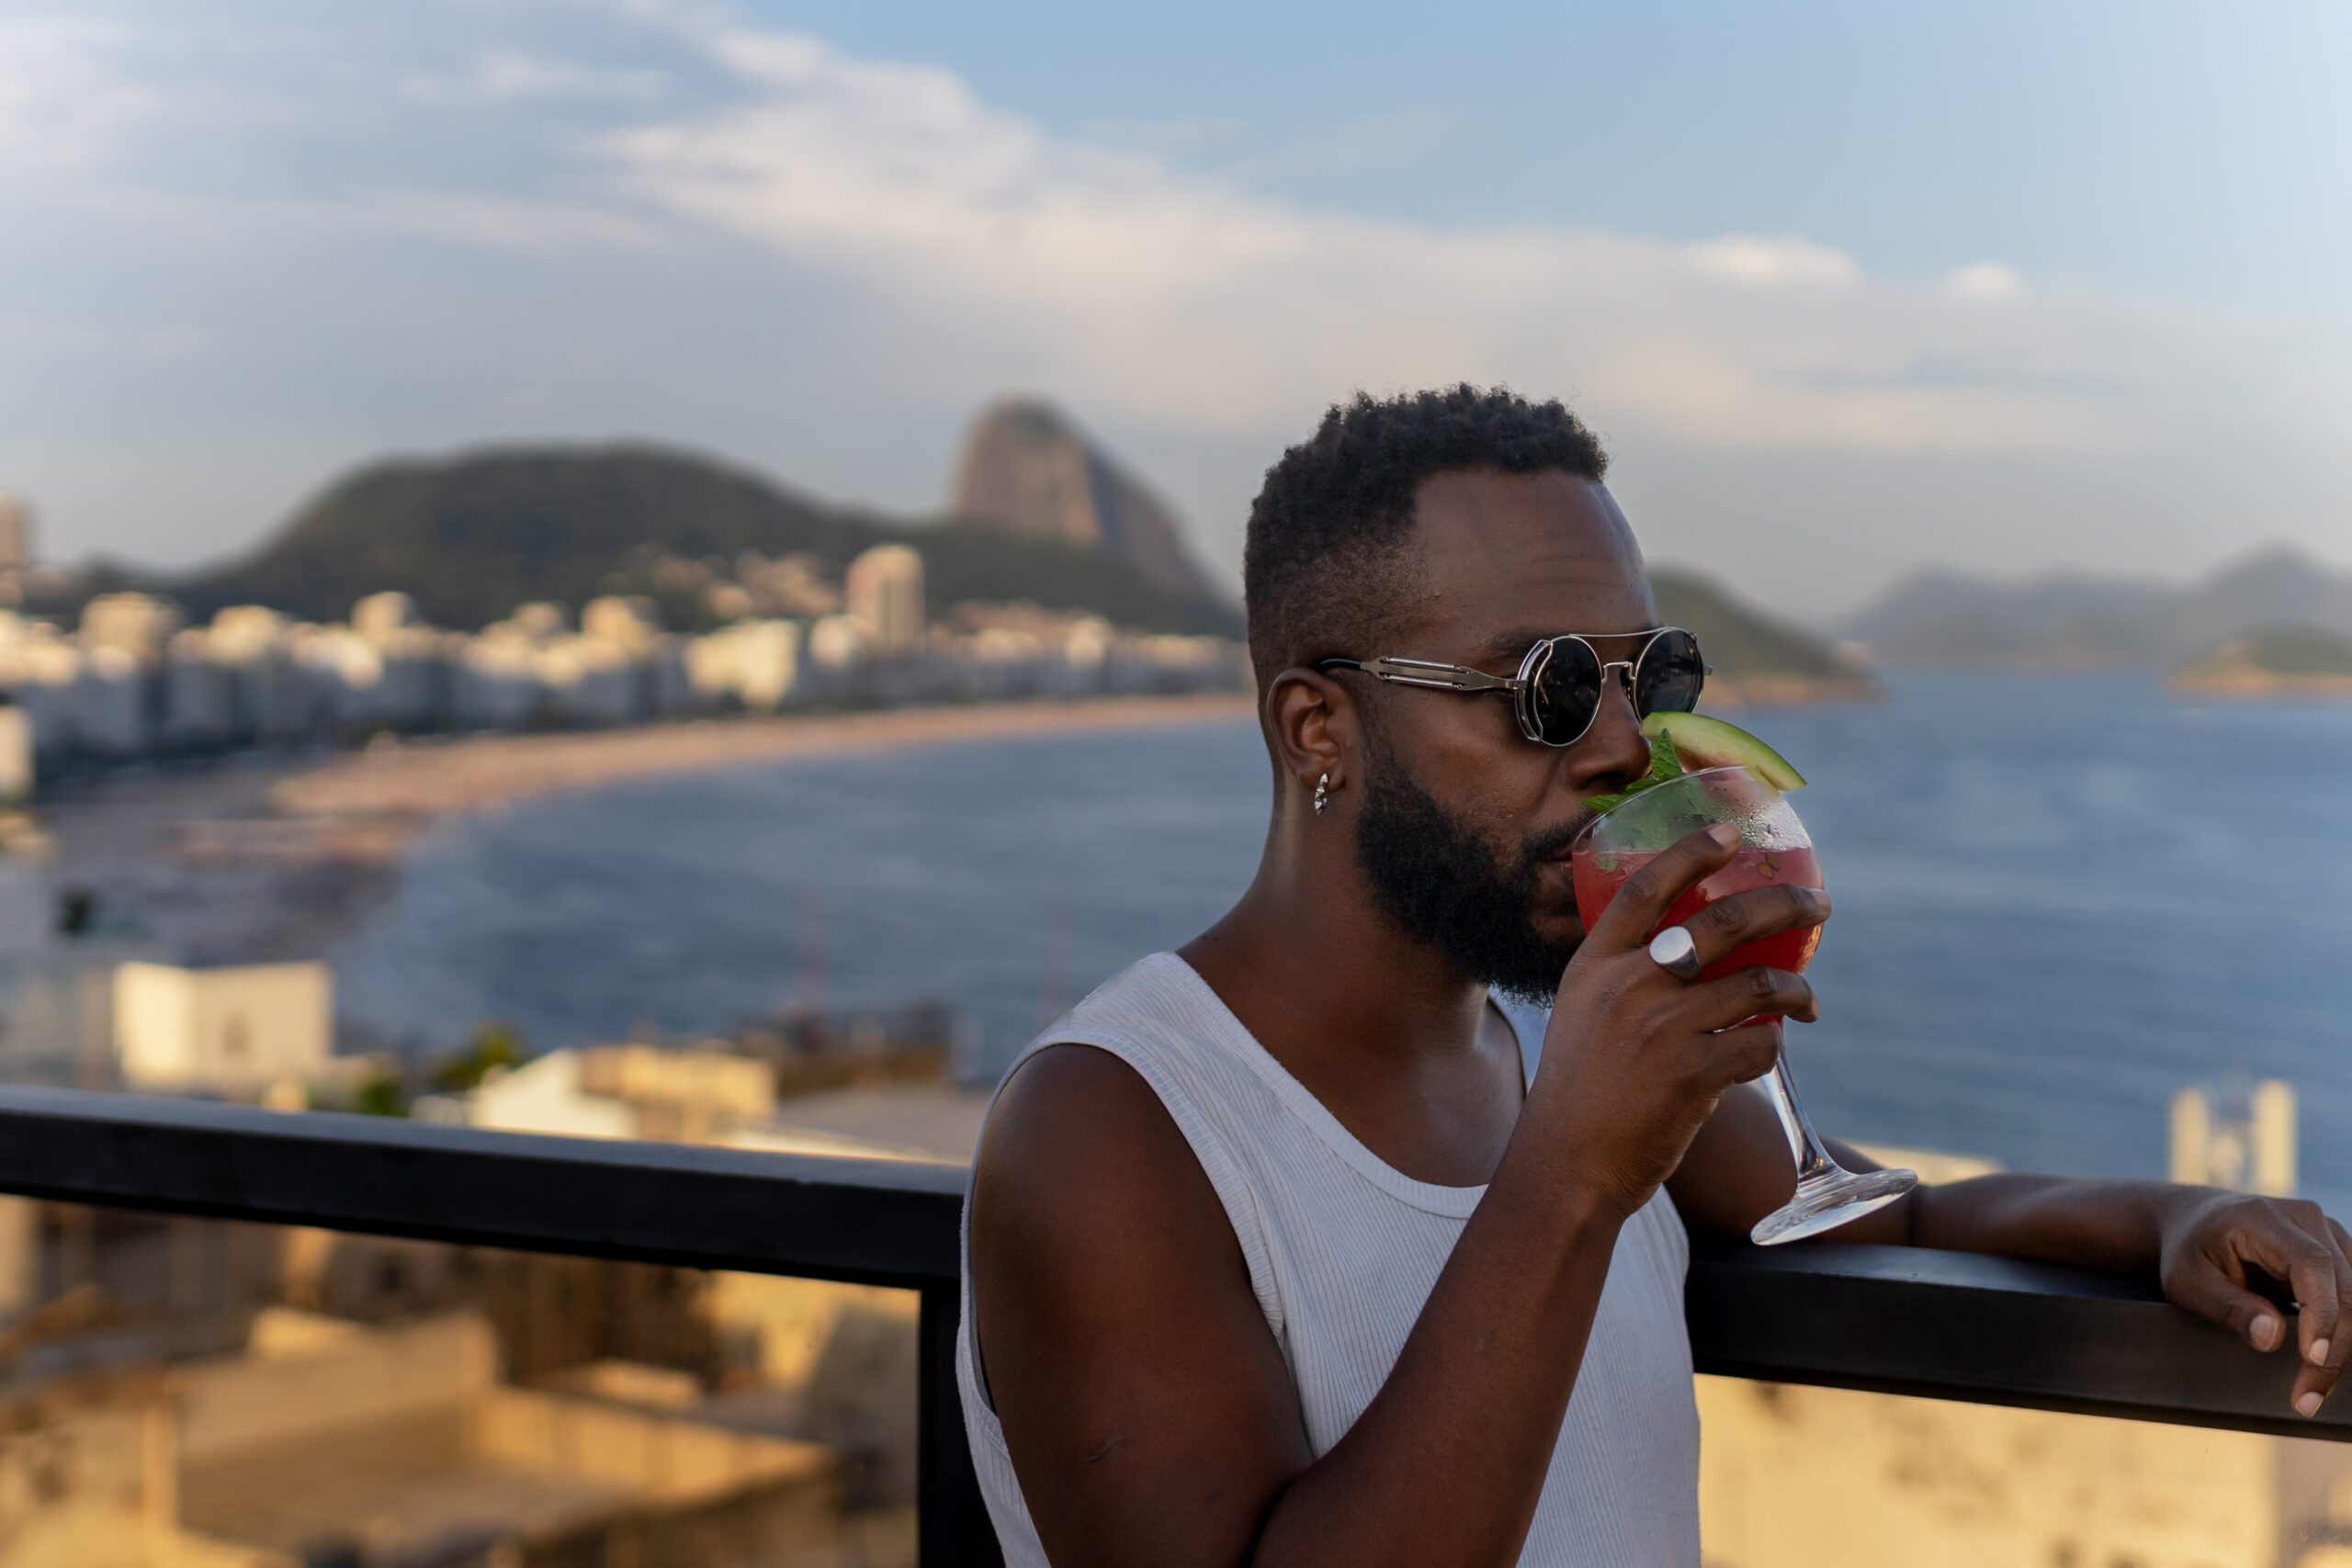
{"x": 1315, "y": 973}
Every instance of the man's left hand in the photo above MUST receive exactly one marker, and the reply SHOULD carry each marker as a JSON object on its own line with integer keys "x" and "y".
{"x": 2215, "y": 1243}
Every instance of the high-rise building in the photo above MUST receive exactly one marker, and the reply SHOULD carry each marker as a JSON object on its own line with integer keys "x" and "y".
{"x": 16, "y": 534}
{"x": 2241, "y": 1139}
{"x": 16, "y": 754}
{"x": 885, "y": 591}
{"x": 136, "y": 624}
{"x": 380, "y": 615}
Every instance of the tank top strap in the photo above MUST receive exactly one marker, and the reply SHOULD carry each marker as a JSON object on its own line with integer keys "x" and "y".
{"x": 1156, "y": 1029}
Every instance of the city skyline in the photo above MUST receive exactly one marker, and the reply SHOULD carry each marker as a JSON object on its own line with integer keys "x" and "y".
{"x": 2090, "y": 325}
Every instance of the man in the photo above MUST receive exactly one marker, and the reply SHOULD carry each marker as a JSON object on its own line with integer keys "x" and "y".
{"x": 1274, "y": 1256}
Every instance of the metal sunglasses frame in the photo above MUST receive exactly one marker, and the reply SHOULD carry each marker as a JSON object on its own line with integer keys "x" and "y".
{"x": 1439, "y": 677}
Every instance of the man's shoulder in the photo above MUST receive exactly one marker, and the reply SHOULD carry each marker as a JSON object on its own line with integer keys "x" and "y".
{"x": 1069, "y": 1097}
{"x": 1080, "y": 1162}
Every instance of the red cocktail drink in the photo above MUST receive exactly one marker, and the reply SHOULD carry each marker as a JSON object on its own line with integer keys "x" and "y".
{"x": 1598, "y": 875}
{"x": 1774, "y": 849}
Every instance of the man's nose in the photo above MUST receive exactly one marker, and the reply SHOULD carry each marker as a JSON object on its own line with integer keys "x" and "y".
{"x": 1614, "y": 753}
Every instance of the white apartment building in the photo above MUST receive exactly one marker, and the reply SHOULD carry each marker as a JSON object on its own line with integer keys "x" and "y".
{"x": 625, "y": 620}
{"x": 137, "y": 624}
{"x": 234, "y": 1028}
{"x": 131, "y": 682}
{"x": 884, "y": 587}
{"x": 269, "y": 695}
{"x": 111, "y": 710}
{"x": 754, "y": 664}
{"x": 494, "y": 684}
{"x": 17, "y": 765}
{"x": 588, "y": 681}
{"x": 381, "y": 616}
{"x": 198, "y": 696}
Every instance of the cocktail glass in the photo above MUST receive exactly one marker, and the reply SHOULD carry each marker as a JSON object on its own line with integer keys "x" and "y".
{"x": 1773, "y": 848}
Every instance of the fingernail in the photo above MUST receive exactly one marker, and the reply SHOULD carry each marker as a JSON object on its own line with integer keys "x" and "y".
{"x": 2265, "y": 1332}
{"x": 1725, "y": 834}
{"x": 2308, "y": 1405}
{"x": 2319, "y": 1352}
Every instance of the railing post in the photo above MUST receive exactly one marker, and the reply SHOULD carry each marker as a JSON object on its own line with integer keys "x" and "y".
{"x": 952, "y": 1523}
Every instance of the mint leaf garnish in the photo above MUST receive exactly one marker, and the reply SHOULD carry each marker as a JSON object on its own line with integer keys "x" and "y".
{"x": 1664, "y": 765}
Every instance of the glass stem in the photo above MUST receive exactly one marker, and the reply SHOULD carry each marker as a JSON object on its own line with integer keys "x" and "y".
{"x": 1804, "y": 1144}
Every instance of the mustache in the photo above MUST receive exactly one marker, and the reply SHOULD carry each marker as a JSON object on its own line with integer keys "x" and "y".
{"x": 1554, "y": 843}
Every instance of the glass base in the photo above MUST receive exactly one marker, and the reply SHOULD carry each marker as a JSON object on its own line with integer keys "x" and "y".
{"x": 1828, "y": 1199}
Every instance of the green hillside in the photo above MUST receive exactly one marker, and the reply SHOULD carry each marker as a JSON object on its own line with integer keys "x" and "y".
{"x": 1743, "y": 643}
{"x": 473, "y": 536}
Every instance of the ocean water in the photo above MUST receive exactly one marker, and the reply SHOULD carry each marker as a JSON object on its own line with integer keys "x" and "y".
{"x": 2058, "y": 900}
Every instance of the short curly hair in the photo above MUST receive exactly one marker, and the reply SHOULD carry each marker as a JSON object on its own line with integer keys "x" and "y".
{"x": 1322, "y": 571}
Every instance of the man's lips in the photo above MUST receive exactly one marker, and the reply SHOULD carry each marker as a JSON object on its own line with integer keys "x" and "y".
{"x": 1567, "y": 849}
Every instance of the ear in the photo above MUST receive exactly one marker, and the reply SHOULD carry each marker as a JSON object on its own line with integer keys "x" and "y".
{"x": 1315, "y": 727}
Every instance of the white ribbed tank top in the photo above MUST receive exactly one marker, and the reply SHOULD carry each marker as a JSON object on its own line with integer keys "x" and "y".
{"x": 1343, "y": 1250}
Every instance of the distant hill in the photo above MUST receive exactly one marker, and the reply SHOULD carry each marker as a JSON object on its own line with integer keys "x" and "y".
{"x": 2086, "y": 621}
{"x": 1029, "y": 471}
{"x": 471, "y": 536}
{"x": 2277, "y": 661}
{"x": 1753, "y": 654}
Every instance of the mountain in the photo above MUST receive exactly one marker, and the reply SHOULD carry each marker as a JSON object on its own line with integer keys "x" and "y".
{"x": 471, "y": 536}
{"x": 1749, "y": 653}
{"x": 1055, "y": 519}
{"x": 2083, "y": 622}
{"x": 1028, "y": 471}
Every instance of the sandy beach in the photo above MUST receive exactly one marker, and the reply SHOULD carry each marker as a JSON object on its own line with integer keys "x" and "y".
{"x": 258, "y": 858}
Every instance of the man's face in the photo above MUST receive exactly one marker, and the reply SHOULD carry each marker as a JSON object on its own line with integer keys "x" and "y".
{"x": 1466, "y": 824}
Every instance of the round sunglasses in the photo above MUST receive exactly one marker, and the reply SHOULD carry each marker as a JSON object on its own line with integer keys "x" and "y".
{"x": 1557, "y": 691}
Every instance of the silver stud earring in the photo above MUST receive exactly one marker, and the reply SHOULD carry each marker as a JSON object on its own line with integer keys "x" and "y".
{"x": 1322, "y": 794}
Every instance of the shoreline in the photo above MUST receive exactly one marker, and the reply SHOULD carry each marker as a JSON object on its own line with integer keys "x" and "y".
{"x": 430, "y": 778}
{"x": 2258, "y": 688}
{"x": 260, "y": 859}
{"x": 1789, "y": 690}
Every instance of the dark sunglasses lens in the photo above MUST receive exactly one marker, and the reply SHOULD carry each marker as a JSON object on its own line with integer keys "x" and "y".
{"x": 1566, "y": 691}
{"x": 1671, "y": 675}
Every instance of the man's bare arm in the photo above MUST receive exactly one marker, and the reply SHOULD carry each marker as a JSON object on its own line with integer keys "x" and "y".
{"x": 2215, "y": 1252}
{"x": 1148, "y": 1413}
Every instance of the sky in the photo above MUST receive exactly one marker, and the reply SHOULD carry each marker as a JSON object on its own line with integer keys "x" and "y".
{"x": 1849, "y": 289}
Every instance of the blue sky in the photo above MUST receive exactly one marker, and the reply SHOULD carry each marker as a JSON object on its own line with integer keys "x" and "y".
{"x": 1849, "y": 288}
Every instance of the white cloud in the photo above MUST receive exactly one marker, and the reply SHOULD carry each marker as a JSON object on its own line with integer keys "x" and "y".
{"x": 63, "y": 98}
{"x": 1987, "y": 281}
{"x": 506, "y": 74}
{"x": 548, "y": 226}
{"x": 1788, "y": 259}
{"x": 1197, "y": 302}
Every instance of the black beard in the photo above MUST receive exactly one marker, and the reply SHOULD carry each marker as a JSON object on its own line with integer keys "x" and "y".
{"x": 1445, "y": 886}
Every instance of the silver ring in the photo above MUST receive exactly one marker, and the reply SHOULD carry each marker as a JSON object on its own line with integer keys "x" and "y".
{"x": 1674, "y": 951}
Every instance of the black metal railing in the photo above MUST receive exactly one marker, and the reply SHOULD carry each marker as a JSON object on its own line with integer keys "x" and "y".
{"x": 1890, "y": 1320}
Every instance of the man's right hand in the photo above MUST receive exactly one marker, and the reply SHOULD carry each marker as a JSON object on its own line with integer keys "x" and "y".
{"x": 1636, "y": 1059}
